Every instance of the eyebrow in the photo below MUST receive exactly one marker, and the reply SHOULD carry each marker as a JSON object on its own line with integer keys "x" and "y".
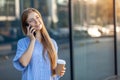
{"x": 33, "y": 18}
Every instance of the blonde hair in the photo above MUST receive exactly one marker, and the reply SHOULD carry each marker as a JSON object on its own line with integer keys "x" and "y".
{"x": 46, "y": 40}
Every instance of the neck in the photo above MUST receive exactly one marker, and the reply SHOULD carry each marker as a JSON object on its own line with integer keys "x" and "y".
{"x": 38, "y": 36}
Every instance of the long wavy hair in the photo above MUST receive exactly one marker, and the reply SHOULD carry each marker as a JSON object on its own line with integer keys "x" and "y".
{"x": 46, "y": 40}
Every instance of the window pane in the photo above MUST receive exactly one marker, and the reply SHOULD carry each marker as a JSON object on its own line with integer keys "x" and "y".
{"x": 118, "y": 33}
{"x": 7, "y": 8}
{"x": 93, "y": 39}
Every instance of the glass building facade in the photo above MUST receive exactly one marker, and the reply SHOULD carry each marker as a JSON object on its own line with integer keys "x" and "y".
{"x": 86, "y": 31}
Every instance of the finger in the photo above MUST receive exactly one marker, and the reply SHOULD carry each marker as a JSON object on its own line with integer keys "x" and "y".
{"x": 61, "y": 74}
{"x": 31, "y": 29}
{"x": 63, "y": 68}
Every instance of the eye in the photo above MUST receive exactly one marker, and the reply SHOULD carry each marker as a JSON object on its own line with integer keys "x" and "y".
{"x": 37, "y": 17}
{"x": 31, "y": 20}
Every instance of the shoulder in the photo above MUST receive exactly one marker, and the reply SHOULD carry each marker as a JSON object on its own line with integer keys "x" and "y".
{"x": 55, "y": 44}
{"x": 53, "y": 41}
{"x": 23, "y": 40}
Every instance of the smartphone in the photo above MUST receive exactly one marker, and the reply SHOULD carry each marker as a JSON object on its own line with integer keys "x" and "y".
{"x": 30, "y": 28}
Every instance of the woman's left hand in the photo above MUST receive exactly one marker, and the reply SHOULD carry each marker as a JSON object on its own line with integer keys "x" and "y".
{"x": 63, "y": 71}
{"x": 60, "y": 70}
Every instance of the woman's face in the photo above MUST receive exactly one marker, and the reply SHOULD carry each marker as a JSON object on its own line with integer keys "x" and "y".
{"x": 34, "y": 20}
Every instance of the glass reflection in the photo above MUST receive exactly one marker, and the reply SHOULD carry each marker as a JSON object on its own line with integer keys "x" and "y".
{"x": 94, "y": 50}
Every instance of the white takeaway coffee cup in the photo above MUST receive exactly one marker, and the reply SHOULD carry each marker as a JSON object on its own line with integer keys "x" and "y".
{"x": 61, "y": 61}
{"x": 60, "y": 64}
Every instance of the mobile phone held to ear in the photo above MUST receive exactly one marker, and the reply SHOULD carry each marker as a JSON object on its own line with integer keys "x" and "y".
{"x": 30, "y": 28}
{"x": 26, "y": 24}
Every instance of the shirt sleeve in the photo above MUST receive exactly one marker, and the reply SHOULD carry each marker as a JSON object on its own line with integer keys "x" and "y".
{"x": 57, "y": 77}
{"x": 55, "y": 44}
{"x": 20, "y": 50}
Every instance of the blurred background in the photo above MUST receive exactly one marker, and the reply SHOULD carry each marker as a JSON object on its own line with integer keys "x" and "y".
{"x": 95, "y": 38}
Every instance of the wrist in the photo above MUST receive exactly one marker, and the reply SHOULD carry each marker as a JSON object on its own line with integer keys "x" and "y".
{"x": 54, "y": 72}
{"x": 32, "y": 40}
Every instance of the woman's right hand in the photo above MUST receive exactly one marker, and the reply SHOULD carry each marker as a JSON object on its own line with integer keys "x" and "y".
{"x": 26, "y": 57}
{"x": 30, "y": 32}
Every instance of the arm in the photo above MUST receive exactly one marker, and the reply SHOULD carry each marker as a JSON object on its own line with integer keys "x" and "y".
{"x": 59, "y": 72}
{"x": 26, "y": 57}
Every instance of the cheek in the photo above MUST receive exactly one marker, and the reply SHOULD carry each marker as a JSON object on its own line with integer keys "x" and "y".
{"x": 32, "y": 24}
{"x": 41, "y": 26}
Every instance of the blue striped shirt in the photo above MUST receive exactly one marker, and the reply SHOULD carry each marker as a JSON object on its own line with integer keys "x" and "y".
{"x": 39, "y": 67}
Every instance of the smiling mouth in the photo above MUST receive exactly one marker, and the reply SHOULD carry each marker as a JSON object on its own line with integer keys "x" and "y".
{"x": 37, "y": 26}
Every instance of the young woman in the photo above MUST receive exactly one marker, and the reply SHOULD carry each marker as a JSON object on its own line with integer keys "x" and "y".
{"x": 36, "y": 54}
